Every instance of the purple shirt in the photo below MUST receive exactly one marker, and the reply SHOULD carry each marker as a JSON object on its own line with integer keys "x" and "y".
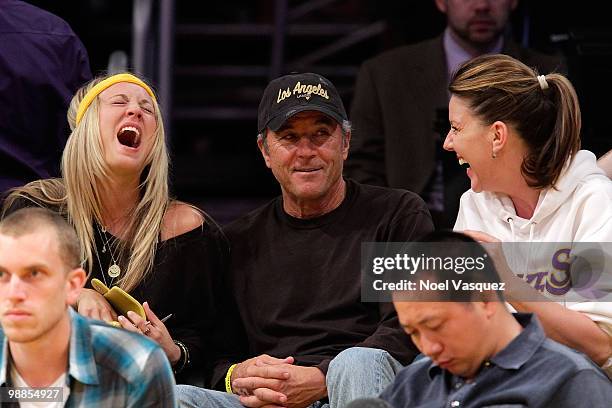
{"x": 42, "y": 64}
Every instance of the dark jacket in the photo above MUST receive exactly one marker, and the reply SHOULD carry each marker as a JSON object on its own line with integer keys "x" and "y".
{"x": 42, "y": 64}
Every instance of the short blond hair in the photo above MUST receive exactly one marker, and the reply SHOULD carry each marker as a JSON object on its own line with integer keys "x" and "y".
{"x": 30, "y": 220}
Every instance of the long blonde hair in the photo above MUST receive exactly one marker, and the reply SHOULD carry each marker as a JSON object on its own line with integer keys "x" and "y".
{"x": 77, "y": 195}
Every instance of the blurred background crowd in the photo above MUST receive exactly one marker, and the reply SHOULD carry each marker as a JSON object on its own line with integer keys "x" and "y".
{"x": 210, "y": 61}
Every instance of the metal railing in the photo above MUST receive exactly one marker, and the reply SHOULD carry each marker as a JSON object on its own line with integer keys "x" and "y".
{"x": 153, "y": 50}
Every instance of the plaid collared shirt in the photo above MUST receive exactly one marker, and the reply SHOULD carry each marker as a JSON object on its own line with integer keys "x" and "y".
{"x": 110, "y": 367}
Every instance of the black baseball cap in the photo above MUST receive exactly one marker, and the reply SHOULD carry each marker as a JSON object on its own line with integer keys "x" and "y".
{"x": 287, "y": 95}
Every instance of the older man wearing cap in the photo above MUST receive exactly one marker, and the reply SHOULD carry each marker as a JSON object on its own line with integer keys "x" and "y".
{"x": 295, "y": 264}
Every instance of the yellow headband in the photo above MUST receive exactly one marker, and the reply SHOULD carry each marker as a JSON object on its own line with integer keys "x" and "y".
{"x": 95, "y": 91}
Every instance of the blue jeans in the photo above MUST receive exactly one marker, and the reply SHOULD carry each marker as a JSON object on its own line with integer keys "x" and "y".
{"x": 357, "y": 372}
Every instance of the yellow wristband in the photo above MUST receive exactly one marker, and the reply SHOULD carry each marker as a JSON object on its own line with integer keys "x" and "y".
{"x": 228, "y": 379}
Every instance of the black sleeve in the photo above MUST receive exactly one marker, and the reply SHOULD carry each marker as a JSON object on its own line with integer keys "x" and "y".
{"x": 190, "y": 298}
{"x": 412, "y": 222}
{"x": 587, "y": 388}
{"x": 391, "y": 337}
{"x": 205, "y": 312}
{"x": 227, "y": 340}
{"x": 183, "y": 284}
{"x": 366, "y": 160}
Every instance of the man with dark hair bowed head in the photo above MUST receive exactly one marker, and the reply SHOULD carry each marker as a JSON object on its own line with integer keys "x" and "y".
{"x": 295, "y": 264}
{"x": 44, "y": 343}
{"x": 478, "y": 354}
{"x": 400, "y": 107}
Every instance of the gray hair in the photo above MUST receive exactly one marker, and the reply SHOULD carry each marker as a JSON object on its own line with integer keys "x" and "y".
{"x": 347, "y": 126}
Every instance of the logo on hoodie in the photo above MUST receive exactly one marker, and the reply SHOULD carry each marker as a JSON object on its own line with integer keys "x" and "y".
{"x": 582, "y": 272}
{"x": 557, "y": 280}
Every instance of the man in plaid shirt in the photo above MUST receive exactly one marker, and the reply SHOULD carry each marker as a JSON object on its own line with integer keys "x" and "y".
{"x": 44, "y": 343}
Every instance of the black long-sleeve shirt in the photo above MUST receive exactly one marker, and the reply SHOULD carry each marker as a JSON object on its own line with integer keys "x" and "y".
{"x": 297, "y": 282}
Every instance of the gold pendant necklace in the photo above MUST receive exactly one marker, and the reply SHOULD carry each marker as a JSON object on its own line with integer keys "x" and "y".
{"x": 113, "y": 270}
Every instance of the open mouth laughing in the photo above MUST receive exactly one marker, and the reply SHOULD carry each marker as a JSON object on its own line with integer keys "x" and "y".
{"x": 463, "y": 162}
{"x": 129, "y": 136}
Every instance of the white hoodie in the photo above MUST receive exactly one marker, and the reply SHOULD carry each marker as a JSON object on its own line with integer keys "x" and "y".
{"x": 579, "y": 210}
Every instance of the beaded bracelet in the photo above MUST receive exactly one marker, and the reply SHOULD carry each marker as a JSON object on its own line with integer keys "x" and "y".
{"x": 183, "y": 359}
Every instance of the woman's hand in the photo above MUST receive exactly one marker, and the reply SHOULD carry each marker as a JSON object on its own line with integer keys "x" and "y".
{"x": 493, "y": 247}
{"x": 154, "y": 329}
{"x": 516, "y": 288}
{"x": 92, "y": 304}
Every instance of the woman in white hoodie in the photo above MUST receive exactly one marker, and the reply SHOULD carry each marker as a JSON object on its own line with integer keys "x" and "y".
{"x": 519, "y": 133}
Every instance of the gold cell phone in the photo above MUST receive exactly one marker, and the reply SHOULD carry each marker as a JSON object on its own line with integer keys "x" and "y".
{"x": 119, "y": 299}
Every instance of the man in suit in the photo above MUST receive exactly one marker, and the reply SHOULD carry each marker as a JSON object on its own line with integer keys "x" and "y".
{"x": 400, "y": 107}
